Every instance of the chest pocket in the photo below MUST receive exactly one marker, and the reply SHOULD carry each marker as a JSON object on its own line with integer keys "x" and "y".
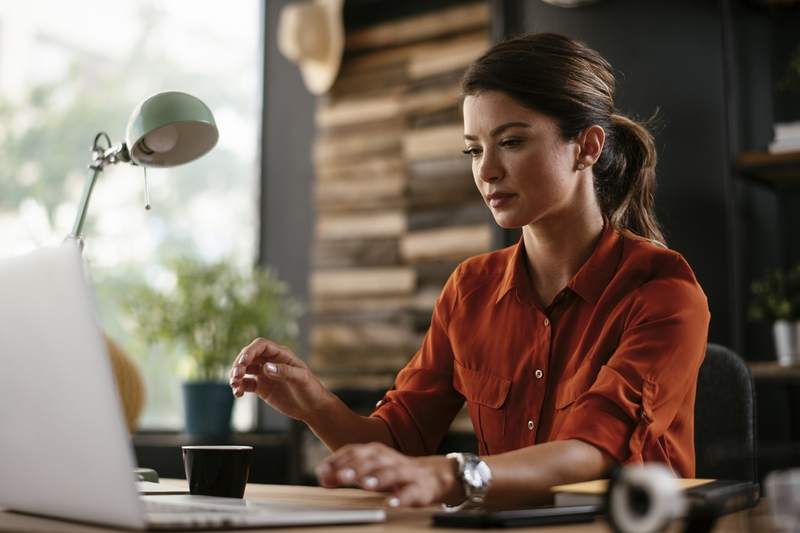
{"x": 486, "y": 396}
{"x": 570, "y": 390}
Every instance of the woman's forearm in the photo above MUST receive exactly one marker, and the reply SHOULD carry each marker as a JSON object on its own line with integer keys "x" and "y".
{"x": 524, "y": 477}
{"x": 337, "y": 425}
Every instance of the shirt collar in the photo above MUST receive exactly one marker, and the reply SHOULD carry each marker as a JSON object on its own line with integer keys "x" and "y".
{"x": 595, "y": 274}
{"x": 516, "y": 272}
{"x": 588, "y": 283}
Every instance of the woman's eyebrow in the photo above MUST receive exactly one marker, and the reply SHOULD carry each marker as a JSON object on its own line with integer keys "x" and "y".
{"x": 499, "y": 129}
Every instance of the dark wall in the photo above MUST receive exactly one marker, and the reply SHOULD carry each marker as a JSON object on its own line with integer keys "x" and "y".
{"x": 287, "y": 171}
{"x": 668, "y": 55}
{"x": 287, "y": 219}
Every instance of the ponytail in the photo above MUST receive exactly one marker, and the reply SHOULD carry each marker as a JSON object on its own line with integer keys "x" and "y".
{"x": 625, "y": 178}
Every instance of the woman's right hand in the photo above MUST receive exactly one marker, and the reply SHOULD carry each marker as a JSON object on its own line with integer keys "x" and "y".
{"x": 280, "y": 378}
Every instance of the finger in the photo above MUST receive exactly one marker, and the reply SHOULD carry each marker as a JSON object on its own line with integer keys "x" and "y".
{"x": 410, "y": 495}
{"x": 236, "y": 372}
{"x": 353, "y": 462}
{"x": 363, "y": 473}
{"x": 283, "y": 372}
{"x": 268, "y": 349}
{"x": 383, "y": 479}
{"x": 246, "y": 384}
{"x": 335, "y": 469}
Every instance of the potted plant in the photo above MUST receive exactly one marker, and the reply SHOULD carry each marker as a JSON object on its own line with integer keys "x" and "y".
{"x": 210, "y": 313}
{"x": 776, "y": 297}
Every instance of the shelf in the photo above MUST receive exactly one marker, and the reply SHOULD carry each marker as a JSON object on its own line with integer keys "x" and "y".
{"x": 776, "y": 170}
{"x": 769, "y": 370}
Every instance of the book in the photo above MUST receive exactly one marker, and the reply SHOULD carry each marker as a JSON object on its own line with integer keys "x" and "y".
{"x": 343, "y": 336}
{"x": 383, "y": 137}
{"x": 367, "y": 224}
{"x": 593, "y": 492}
{"x": 364, "y": 168}
{"x": 347, "y": 111}
{"x": 433, "y": 143}
{"x": 448, "y": 56}
{"x": 721, "y": 496}
{"x": 448, "y": 243}
{"x": 420, "y": 27}
{"x": 348, "y": 305}
{"x": 356, "y": 253}
{"x": 385, "y": 191}
{"x": 363, "y": 281}
{"x": 468, "y": 213}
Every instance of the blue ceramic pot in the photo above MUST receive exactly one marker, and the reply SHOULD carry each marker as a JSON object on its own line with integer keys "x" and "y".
{"x": 207, "y": 406}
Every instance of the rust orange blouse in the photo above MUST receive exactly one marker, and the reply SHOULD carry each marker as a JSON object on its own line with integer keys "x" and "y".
{"x": 613, "y": 361}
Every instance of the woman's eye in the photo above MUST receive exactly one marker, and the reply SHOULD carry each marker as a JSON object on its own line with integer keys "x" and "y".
{"x": 472, "y": 151}
{"x": 510, "y": 143}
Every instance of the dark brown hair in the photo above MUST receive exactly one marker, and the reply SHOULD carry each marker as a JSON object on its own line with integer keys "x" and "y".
{"x": 573, "y": 84}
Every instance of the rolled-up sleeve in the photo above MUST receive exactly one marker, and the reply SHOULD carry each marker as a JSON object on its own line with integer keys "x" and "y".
{"x": 422, "y": 404}
{"x": 650, "y": 375}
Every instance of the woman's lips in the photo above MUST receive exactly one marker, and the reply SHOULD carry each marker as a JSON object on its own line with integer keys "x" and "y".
{"x": 500, "y": 199}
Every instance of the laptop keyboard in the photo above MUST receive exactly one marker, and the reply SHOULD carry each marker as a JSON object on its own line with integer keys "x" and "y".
{"x": 175, "y": 515}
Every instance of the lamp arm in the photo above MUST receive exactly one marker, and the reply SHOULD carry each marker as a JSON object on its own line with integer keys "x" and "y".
{"x": 100, "y": 158}
{"x": 80, "y": 217}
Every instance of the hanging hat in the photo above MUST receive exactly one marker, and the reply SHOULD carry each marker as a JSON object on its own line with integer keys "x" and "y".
{"x": 311, "y": 34}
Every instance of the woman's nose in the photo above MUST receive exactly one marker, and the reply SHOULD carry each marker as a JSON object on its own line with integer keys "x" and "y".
{"x": 489, "y": 168}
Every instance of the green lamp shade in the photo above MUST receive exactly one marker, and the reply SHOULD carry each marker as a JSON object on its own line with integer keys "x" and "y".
{"x": 169, "y": 129}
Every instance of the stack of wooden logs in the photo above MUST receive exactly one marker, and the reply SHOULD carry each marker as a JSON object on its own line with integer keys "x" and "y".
{"x": 396, "y": 205}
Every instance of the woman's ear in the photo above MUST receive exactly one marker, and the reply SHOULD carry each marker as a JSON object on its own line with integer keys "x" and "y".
{"x": 591, "y": 141}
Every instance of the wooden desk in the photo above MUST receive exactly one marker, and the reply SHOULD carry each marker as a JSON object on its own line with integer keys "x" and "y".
{"x": 399, "y": 521}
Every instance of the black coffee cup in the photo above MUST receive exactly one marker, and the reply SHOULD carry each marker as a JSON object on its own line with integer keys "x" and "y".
{"x": 217, "y": 470}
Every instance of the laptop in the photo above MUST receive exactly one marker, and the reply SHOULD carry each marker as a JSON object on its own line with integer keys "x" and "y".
{"x": 65, "y": 451}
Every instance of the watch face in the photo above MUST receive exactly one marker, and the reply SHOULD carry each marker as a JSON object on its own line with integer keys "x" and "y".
{"x": 477, "y": 475}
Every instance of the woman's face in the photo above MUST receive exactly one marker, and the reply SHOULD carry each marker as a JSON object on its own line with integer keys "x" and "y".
{"x": 522, "y": 167}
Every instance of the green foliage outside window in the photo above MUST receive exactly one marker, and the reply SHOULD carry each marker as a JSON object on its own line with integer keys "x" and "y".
{"x": 211, "y": 313}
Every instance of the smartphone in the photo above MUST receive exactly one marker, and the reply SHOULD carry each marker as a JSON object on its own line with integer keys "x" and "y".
{"x": 535, "y": 516}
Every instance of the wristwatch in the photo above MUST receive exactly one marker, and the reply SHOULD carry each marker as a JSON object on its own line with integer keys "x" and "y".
{"x": 475, "y": 476}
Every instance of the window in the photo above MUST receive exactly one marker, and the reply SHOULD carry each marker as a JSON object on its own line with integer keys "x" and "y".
{"x": 69, "y": 70}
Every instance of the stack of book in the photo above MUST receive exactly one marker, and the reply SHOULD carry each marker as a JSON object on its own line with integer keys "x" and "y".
{"x": 787, "y": 138}
{"x": 396, "y": 205}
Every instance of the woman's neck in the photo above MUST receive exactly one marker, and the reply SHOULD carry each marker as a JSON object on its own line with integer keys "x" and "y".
{"x": 557, "y": 247}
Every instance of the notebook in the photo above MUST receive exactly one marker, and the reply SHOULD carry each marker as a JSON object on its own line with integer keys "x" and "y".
{"x": 593, "y": 492}
{"x": 65, "y": 451}
{"x": 721, "y": 495}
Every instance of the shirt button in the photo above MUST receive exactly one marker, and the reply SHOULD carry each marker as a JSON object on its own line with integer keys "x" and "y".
{"x": 538, "y": 374}
{"x": 530, "y": 425}
{"x": 546, "y": 322}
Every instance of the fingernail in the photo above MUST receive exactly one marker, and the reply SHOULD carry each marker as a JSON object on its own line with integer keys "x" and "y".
{"x": 238, "y": 372}
{"x": 393, "y": 502}
{"x": 347, "y": 475}
{"x": 370, "y": 482}
{"x": 271, "y": 368}
{"x": 241, "y": 359}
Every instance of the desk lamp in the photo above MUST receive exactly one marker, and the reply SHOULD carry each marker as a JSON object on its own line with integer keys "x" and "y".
{"x": 165, "y": 130}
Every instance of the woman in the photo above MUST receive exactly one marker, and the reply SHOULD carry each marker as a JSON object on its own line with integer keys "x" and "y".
{"x": 576, "y": 348}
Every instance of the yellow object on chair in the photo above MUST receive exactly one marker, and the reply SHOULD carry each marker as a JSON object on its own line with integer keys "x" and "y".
{"x": 129, "y": 383}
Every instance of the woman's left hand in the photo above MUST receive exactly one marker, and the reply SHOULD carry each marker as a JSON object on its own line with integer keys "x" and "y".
{"x": 409, "y": 481}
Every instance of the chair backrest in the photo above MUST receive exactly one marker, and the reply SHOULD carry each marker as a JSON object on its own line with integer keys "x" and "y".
{"x": 724, "y": 418}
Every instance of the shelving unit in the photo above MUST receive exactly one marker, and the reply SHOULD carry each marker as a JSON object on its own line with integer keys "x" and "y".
{"x": 775, "y": 170}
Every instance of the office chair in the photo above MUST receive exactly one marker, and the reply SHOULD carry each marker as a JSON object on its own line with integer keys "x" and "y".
{"x": 724, "y": 418}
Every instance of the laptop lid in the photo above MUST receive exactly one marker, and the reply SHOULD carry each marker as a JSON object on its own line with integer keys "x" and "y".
{"x": 64, "y": 450}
